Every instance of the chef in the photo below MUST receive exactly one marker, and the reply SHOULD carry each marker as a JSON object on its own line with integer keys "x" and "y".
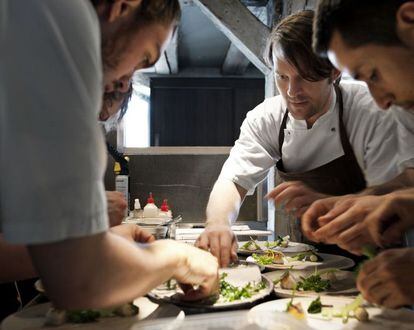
{"x": 325, "y": 138}
{"x": 60, "y": 215}
{"x": 377, "y": 48}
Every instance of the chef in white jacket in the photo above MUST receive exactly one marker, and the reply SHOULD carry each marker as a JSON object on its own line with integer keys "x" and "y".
{"x": 324, "y": 138}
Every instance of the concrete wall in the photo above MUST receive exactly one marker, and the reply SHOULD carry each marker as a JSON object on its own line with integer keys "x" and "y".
{"x": 185, "y": 180}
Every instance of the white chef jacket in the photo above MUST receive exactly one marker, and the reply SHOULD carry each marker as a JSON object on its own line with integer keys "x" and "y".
{"x": 371, "y": 132}
{"x": 52, "y": 152}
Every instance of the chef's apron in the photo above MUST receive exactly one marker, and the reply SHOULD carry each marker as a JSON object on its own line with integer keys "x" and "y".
{"x": 340, "y": 176}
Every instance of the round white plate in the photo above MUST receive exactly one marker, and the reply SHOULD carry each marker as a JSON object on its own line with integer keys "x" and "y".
{"x": 161, "y": 294}
{"x": 235, "y": 320}
{"x": 344, "y": 286}
{"x": 33, "y": 317}
{"x": 380, "y": 319}
{"x": 329, "y": 261}
{"x": 293, "y": 247}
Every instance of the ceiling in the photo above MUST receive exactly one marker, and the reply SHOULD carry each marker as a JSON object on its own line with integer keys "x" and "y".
{"x": 222, "y": 37}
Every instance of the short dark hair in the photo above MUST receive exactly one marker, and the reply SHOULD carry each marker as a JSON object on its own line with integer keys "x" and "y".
{"x": 293, "y": 35}
{"x": 153, "y": 11}
{"x": 159, "y": 11}
{"x": 358, "y": 22}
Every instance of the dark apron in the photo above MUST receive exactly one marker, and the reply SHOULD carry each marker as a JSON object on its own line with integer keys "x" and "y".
{"x": 340, "y": 176}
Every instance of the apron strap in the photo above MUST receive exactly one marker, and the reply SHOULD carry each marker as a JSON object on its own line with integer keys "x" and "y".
{"x": 282, "y": 132}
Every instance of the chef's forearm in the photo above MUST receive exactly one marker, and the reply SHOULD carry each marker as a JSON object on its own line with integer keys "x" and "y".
{"x": 403, "y": 181}
{"x": 102, "y": 270}
{"x": 224, "y": 203}
{"x": 15, "y": 262}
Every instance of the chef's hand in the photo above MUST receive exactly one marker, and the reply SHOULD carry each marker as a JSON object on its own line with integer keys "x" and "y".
{"x": 196, "y": 271}
{"x": 388, "y": 222}
{"x": 387, "y": 280}
{"x": 116, "y": 207}
{"x": 295, "y": 195}
{"x": 344, "y": 225}
{"x": 133, "y": 233}
{"x": 220, "y": 240}
{"x": 320, "y": 213}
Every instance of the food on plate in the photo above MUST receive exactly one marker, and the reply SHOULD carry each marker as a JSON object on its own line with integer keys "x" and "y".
{"x": 295, "y": 310}
{"x": 56, "y": 317}
{"x": 280, "y": 242}
{"x": 251, "y": 246}
{"x": 315, "y": 306}
{"x": 288, "y": 281}
{"x": 305, "y": 256}
{"x": 313, "y": 282}
{"x": 269, "y": 257}
{"x": 354, "y": 309}
{"x": 229, "y": 292}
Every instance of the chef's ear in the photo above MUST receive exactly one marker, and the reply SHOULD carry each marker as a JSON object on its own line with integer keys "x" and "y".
{"x": 335, "y": 75}
{"x": 405, "y": 23}
{"x": 121, "y": 8}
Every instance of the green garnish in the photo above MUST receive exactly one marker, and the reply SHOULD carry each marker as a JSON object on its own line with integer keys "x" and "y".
{"x": 315, "y": 306}
{"x": 306, "y": 256}
{"x": 251, "y": 243}
{"x": 313, "y": 283}
{"x": 351, "y": 308}
{"x": 229, "y": 292}
{"x": 268, "y": 258}
{"x": 83, "y": 316}
{"x": 281, "y": 241}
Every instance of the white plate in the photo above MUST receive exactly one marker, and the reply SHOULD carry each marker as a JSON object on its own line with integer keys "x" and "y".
{"x": 161, "y": 294}
{"x": 33, "y": 317}
{"x": 380, "y": 319}
{"x": 235, "y": 320}
{"x": 293, "y": 247}
{"x": 329, "y": 261}
{"x": 344, "y": 286}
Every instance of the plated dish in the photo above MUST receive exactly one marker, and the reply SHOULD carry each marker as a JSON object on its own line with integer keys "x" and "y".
{"x": 233, "y": 293}
{"x": 282, "y": 244}
{"x": 282, "y": 261}
{"x": 334, "y": 309}
{"x": 313, "y": 283}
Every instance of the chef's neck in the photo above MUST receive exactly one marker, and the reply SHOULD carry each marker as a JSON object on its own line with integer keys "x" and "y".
{"x": 325, "y": 106}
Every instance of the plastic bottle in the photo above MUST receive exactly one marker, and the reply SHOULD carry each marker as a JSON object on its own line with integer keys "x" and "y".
{"x": 150, "y": 210}
{"x": 137, "y": 213}
{"x": 165, "y": 210}
{"x": 122, "y": 183}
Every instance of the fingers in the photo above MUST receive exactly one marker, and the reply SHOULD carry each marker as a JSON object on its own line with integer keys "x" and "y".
{"x": 221, "y": 242}
{"x": 329, "y": 233}
{"x": 384, "y": 226}
{"x": 278, "y": 189}
{"x": 309, "y": 221}
{"x": 143, "y": 236}
{"x": 202, "y": 241}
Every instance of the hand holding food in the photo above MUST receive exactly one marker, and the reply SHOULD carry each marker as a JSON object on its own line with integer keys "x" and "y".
{"x": 220, "y": 240}
{"x": 388, "y": 222}
{"x": 133, "y": 233}
{"x": 196, "y": 268}
{"x": 387, "y": 280}
{"x": 344, "y": 223}
{"x": 319, "y": 214}
{"x": 295, "y": 195}
{"x": 116, "y": 207}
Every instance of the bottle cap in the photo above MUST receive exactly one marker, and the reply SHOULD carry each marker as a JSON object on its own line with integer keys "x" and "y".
{"x": 117, "y": 168}
{"x": 164, "y": 206}
{"x": 150, "y": 199}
